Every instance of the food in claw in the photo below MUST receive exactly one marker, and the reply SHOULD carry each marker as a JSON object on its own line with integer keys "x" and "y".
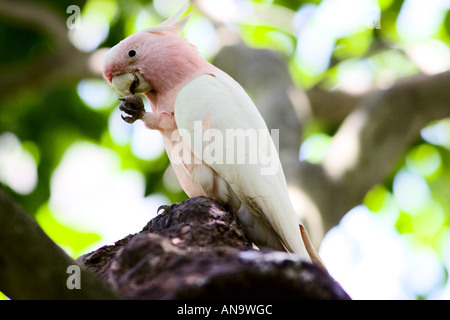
{"x": 132, "y": 105}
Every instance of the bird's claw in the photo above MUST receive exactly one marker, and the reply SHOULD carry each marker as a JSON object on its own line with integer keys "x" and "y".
{"x": 133, "y": 106}
{"x": 128, "y": 119}
{"x": 164, "y": 208}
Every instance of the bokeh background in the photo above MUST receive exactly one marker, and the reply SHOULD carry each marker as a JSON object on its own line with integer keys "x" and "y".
{"x": 90, "y": 179}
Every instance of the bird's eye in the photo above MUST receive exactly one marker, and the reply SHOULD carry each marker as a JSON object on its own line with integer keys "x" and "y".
{"x": 131, "y": 53}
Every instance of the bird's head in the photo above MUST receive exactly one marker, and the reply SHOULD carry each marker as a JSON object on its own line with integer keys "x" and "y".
{"x": 122, "y": 67}
{"x": 151, "y": 59}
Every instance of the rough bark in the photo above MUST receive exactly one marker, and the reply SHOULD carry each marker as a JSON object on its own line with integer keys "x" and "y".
{"x": 197, "y": 250}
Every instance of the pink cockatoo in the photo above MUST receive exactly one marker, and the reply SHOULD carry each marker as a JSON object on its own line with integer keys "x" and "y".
{"x": 190, "y": 97}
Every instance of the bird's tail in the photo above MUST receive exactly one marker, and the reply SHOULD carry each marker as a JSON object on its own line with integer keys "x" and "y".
{"x": 263, "y": 235}
{"x": 313, "y": 254}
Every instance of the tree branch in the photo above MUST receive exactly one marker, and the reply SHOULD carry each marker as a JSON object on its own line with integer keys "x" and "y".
{"x": 331, "y": 107}
{"x": 372, "y": 139}
{"x": 197, "y": 250}
{"x": 32, "y": 266}
{"x": 63, "y": 62}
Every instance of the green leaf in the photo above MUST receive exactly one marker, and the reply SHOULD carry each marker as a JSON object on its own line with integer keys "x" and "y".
{"x": 376, "y": 198}
{"x": 268, "y": 37}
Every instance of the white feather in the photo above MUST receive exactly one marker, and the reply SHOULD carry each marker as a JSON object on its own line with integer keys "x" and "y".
{"x": 172, "y": 23}
{"x": 221, "y": 103}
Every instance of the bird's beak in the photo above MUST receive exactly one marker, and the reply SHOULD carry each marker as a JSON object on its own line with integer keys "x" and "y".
{"x": 131, "y": 83}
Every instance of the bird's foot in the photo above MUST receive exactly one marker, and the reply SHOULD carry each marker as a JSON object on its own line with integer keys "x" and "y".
{"x": 133, "y": 106}
{"x": 164, "y": 208}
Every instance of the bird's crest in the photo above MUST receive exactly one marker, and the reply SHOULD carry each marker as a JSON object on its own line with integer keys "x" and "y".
{"x": 172, "y": 24}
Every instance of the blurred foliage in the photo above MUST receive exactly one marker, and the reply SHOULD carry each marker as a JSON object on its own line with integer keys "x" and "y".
{"x": 49, "y": 119}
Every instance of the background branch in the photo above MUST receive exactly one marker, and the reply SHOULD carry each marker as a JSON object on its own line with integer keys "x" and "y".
{"x": 60, "y": 63}
{"x": 375, "y": 130}
{"x": 372, "y": 139}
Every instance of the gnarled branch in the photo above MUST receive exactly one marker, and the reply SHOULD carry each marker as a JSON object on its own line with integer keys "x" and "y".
{"x": 197, "y": 250}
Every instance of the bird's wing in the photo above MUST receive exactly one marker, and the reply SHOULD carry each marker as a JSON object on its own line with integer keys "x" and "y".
{"x": 214, "y": 105}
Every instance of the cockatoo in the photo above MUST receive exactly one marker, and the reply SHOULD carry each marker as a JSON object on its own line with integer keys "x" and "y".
{"x": 190, "y": 97}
